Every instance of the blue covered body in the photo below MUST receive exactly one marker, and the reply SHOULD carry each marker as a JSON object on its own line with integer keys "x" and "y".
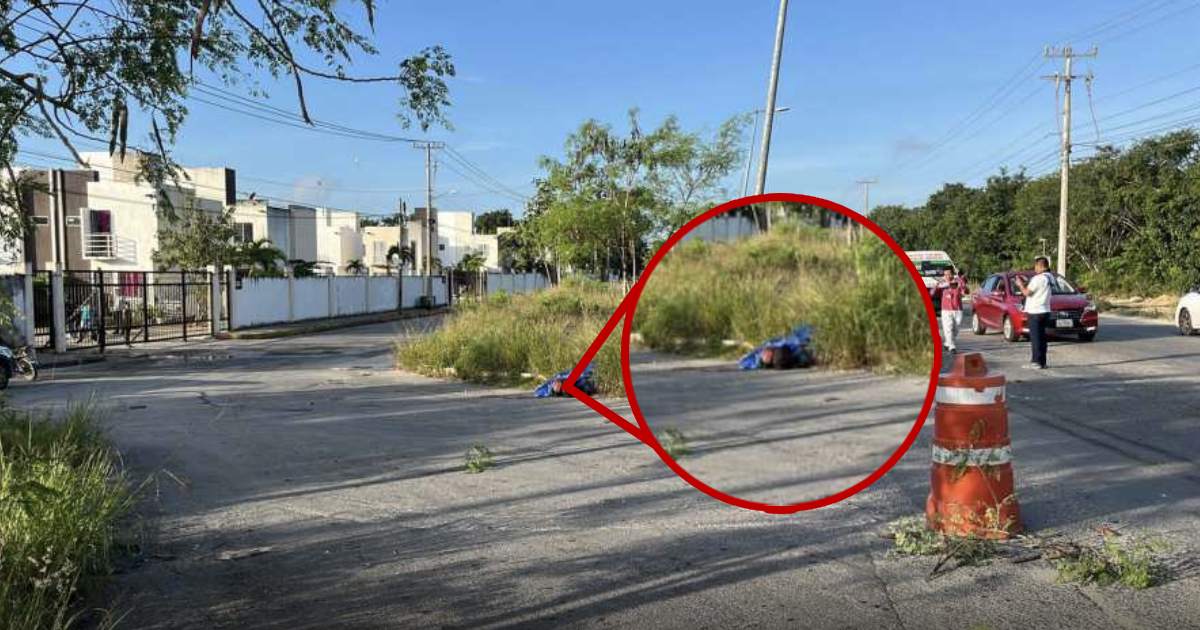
{"x": 796, "y": 341}
{"x": 584, "y": 383}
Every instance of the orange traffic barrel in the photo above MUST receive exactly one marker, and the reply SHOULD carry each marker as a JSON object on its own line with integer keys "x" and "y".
{"x": 971, "y": 477}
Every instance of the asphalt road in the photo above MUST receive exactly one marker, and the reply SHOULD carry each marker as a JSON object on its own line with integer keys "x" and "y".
{"x": 303, "y": 483}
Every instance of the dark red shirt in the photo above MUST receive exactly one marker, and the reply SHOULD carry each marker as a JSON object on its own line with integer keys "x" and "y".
{"x": 952, "y": 294}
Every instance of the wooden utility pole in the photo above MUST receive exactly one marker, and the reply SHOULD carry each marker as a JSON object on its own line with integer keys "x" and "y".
{"x": 1064, "y": 79}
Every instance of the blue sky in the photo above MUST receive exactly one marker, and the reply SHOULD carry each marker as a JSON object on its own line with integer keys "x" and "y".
{"x": 873, "y": 86}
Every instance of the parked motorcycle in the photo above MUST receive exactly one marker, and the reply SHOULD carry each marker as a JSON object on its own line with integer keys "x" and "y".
{"x": 19, "y": 362}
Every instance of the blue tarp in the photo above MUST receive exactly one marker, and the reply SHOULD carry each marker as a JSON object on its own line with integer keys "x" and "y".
{"x": 584, "y": 383}
{"x": 797, "y": 342}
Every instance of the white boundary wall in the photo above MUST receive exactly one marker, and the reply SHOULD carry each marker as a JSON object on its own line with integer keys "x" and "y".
{"x": 723, "y": 227}
{"x": 262, "y": 301}
{"x": 516, "y": 282}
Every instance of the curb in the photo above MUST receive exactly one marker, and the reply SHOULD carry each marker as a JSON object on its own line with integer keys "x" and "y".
{"x": 72, "y": 361}
{"x": 324, "y": 325}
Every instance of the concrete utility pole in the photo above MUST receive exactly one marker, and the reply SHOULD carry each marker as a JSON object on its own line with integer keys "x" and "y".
{"x": 866, "y": 209}
{"x": 753, "y": 143}
{"x": 769, "y": 111}
{"x": 1065, "y": 78}
{"x": 430, "y": 222}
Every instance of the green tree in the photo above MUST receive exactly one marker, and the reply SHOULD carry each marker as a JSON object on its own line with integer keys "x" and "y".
{"x": 488, "y": 222}
{"x": 473, "y": 262}
{"x": 356, "y": 267}
{"x": 82, "y": 71}
{"x": 399, "y": 255}
{"x": 260, "y": 258}
{"x": 196, "y": 239}
{"x": 303, "y": 268}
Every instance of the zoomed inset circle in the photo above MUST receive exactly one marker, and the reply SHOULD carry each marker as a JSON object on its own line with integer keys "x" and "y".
{"x": 630, "y": 307}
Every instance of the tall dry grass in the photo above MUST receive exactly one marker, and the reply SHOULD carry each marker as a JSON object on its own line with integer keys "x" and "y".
{"x": 864, "y": 309}
{"x": 62, "y": 495}
{"x": 516, "y": 339}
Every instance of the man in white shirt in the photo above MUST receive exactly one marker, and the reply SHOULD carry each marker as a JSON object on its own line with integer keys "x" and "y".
{"x": 1037, "y": 294}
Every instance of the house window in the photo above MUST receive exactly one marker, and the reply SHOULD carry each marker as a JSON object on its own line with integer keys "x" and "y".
{"x": 100, "y": 221}
{"x": 245, "y": 232}
{"x": 380, "y": 250}
{"x": 441, "y": 247}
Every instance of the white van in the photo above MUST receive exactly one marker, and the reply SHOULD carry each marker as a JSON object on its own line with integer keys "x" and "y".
{"x": 930, "y": 265}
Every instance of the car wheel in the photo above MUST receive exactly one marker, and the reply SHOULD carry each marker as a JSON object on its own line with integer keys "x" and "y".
{"x": 977, "y": 326}
{"x": 1010, "y": 331}
{"x": 1087, "y": 336}
{"x": 1186, "y": 327}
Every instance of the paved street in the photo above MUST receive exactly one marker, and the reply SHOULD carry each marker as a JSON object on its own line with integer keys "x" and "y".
{"x": 303, "y": 483}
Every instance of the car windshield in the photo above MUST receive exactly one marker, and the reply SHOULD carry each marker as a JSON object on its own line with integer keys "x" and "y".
{"x": 1060, "y": 287}
{"x": 933, "y": 268}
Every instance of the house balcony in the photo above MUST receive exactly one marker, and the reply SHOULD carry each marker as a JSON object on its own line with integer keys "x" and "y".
{"x": 109, "y": 247}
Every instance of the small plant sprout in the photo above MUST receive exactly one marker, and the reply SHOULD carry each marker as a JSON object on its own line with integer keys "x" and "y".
{"x": 479, "y": 458}
{"x": 674, "y": 443}
{"x": 1116, "y": 560}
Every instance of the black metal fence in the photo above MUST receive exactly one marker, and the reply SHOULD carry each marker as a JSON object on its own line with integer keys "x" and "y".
{"x": 105, "y": 308}
{"x": 43, "y": 311}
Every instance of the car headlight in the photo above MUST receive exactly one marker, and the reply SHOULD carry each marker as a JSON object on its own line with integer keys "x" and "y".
{"x": 1091, "y": 307}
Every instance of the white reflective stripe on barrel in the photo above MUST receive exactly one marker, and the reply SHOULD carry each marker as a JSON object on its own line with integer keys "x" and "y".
{"x": 972, "y": 456}
{"x": 969, "y": 395}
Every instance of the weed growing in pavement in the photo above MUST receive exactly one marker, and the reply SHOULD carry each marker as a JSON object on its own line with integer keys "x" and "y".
{"x": 912, "y": 537}
{"x": 62, "y": 494}
{"x": 479, "y": 458}
{"x": 674, "y": 443}
{"x": 1116, "y": 560}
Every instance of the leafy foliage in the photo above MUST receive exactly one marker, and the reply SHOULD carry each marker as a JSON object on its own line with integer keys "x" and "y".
{"x": 196, "y": 239}
{"x": 598, "y": 208}
{"x": 1117, "y": 560}
{"x": 260, "y": 258}
{"x": 1134, "y": 227}
{"x": 479, "y": 458}
{"x": 81, "y": 71}
{"x": 674, "y": 443}
{"x": 62, "y": 495}
{"x": 472, "y": 262}
{"x": 487, "y": 222}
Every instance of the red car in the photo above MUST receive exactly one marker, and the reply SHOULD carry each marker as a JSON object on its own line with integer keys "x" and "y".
{"x": 997, "y": 305}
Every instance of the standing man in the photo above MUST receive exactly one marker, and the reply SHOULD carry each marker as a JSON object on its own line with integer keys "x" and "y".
{"x": 953, "y": 286}
{"x": 1037, "y": 308}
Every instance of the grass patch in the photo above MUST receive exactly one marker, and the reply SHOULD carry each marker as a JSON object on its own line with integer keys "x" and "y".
{"x": 674, "y": 443}
{"x": 1116, "y": 560}
{"x": 479, "y": 458}
{"x": 518, "y": 339}
{"x": 865, "y": 311}
{"x": 62, "y": 494}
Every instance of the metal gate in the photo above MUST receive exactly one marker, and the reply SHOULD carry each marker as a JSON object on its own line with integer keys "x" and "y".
{"x": 105, "y": 308}
{"x": 43, "y": 311}
{"x": 467, "y": 284}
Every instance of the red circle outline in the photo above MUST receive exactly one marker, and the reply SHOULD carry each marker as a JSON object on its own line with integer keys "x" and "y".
{"x": 629, "y": 306}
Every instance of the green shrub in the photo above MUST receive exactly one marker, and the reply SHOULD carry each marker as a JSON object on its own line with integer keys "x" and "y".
{"x": 479, "y": 458}
{"x": 1117, "y": 560}
{"x": 521, "y": 339}
{"x": 864, "y": 308}
{"x": 61, "y": 497}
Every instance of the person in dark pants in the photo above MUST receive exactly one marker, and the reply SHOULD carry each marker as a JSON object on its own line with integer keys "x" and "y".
{"x": 1037, "y": 294}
